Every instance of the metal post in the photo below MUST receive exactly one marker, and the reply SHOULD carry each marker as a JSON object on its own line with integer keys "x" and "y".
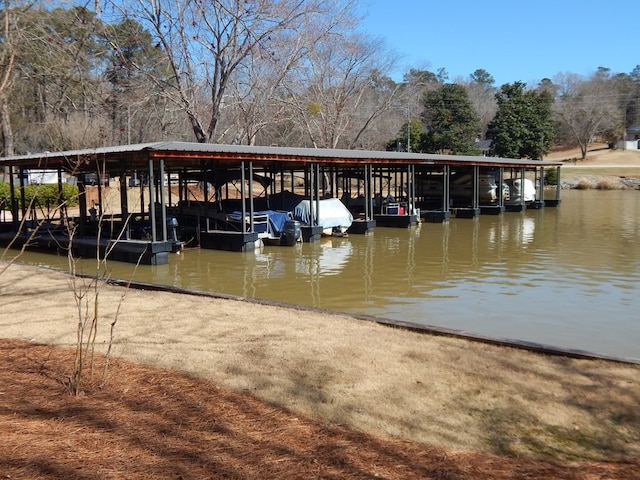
{"x": 367, "y": 194}
{"x": 500, "y": 187}
{"x": 205, "y": 188}
{"x": 14, "y": 202}
{"x": 163, "y": 205}
{"x": 476, "y": 186}
{"x": 446, "y": 187}
{"x": 317, "y": 188}
{"x": 152, "y": 202}
{"x": 334, "y": 181}
{"x": 142, "y": 194}
{"x": 251, "y": 210}
{"x": 293, "y": 184}
{"x": 169, "y": 194}
{"x": 522, "y": 174}
{"x": 413, "y": 190}
{"x": 308, "y": 174}
{"x": 243, "y": 210}
{"x": 406, "y": 181}
{"x": 282, "y": 179}
{"x": 60, "y": 200}
{"x": 23, "y": 197}
{"x": 101, "y": 177}
{"x": 182, "y": 188}
{"x": 308, "y": 180}
{"x": 124, "y": 204}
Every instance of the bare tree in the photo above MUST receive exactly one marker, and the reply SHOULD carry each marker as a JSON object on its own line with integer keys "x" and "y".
{"x": 342, "y": 90}
{"x": 587, "y": 108}
{"x": 207, "y": 42}
{"x": 254, "y": 94}
{"x": 11, "y": 40}
{"x": 481, "y": 91}
{"x": 86, "y": 292}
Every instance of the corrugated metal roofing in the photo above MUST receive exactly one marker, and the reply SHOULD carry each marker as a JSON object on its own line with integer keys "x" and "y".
{"x": 180, "y": 153}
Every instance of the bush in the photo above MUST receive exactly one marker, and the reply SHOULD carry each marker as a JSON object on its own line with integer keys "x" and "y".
{"x": 607, "y": 184}
{"x": 551, "y": 177}
{"x": 584, "y": 184}
{"x": 46, "y": 196}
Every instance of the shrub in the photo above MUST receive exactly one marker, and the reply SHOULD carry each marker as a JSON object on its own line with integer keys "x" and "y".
{"x": 551, "y": 177}
{"x": 584, "y": 184}
{"x": 45, "y": 196}
{"x": 607, "y": 184}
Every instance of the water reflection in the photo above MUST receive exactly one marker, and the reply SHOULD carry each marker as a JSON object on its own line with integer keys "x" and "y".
{"x": 519, "y": 229}
{"x": 568, "y": 276}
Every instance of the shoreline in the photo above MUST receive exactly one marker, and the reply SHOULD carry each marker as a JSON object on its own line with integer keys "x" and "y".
{"x": 417, "y": 328}
{"x": 596, "y": 181}
{"x": 603, "y": 169}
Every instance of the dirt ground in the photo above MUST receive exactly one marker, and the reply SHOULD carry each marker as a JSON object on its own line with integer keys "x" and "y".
{"x": 202, "y": 387}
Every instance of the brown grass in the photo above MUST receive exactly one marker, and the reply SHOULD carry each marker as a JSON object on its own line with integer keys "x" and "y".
{"x": 153, "y": 423}
{"x": 584, "y": 184}
{"x": 603, "y": 169}
{"x": 598, "y": 154}
{"x": 607, "y": 184}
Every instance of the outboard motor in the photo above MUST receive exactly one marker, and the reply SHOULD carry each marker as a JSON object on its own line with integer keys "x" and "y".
{"x": 291, "y": 233}
{"x": 172, "y": 229}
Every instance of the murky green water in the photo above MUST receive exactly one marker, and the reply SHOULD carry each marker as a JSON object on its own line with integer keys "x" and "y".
{"x": 567, "y": 276}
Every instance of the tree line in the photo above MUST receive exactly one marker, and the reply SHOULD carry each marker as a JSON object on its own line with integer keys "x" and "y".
{"x": 270, "y": 72}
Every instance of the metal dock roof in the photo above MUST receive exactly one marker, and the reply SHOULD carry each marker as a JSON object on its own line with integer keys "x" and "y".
{"x": 191, "y": 154}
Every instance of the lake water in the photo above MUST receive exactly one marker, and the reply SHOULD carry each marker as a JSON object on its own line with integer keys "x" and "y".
{"x": 566, "y": 276}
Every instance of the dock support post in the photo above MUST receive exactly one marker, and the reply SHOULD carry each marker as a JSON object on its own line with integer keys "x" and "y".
{"x": 152, "y": 202}
{"x": 163, "y": 205}
{"x": 539, "y": 182}
{"x": 14, "y": 201}
{"x": 556, "y": 202}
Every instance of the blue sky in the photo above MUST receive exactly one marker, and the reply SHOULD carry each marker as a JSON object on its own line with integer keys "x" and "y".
{"x": 512, "y": 40}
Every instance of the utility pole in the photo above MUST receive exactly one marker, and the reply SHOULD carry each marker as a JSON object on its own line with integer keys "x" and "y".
{"x": 409, "y": 129}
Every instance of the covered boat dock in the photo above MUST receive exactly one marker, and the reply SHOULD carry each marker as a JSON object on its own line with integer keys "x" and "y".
{"x": 231, "y": 197}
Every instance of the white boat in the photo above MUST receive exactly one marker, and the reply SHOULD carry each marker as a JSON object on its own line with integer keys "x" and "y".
{"x": 333, "y": 216}
{"x": 517, "y": 194}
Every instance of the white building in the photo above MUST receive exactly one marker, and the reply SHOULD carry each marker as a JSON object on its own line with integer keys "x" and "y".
{"x": 631, "y": 140}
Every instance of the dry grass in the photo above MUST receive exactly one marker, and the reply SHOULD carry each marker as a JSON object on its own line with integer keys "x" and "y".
{"x": 598, "y": 154}
{"x": 607, "y": 184}
{"x": 603, "y": 169}
{"x": 584, "y": 184}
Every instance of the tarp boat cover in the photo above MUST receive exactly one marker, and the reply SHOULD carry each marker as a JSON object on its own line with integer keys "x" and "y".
{"x": 277, "y": 219}
{"x": 331, "y": 213}
{"x": 515, "y": 187}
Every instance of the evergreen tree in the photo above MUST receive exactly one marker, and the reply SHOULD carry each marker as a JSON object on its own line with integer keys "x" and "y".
{"x": 522, "y": 127}
{"x": 410, "y": 134}
{"x": 450, "y": 121}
